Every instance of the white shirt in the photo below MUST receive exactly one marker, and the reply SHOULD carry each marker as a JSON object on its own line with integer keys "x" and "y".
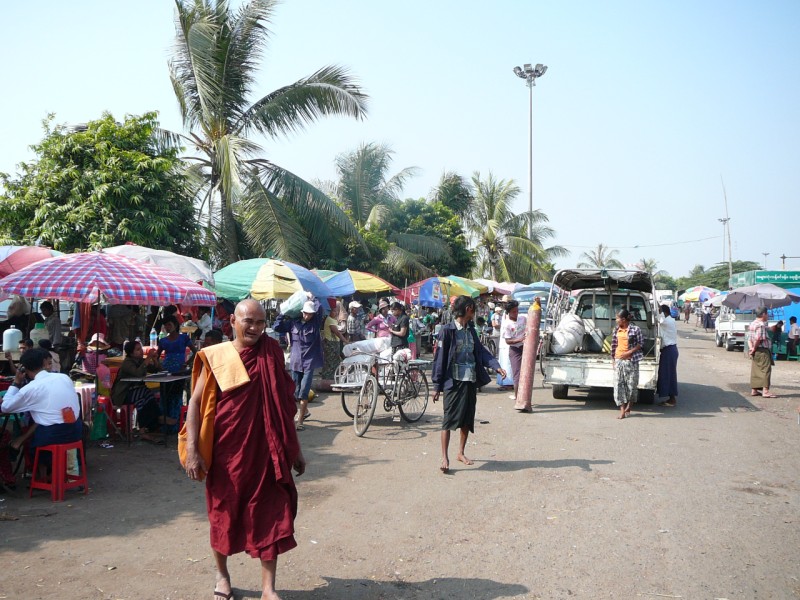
{"x": 44, "y": 397}
{"x": 794, "y": 332}
{"x": 204, "y": 323}
{"x": 512, "y": 330}
{"x": 53, "y": 325}
{"x": 669, "y": 332}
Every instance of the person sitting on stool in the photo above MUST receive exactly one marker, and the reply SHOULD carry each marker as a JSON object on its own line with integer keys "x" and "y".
{"x": 51, "y": 400}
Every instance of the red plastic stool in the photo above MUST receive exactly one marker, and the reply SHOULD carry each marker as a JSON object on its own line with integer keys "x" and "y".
{"x": 60, "y": 480}
{"x": 123, "y": 420}
{"x": 182, "y": 418}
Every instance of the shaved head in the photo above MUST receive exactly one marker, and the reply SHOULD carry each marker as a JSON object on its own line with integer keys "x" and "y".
{"x": 248, "y": 320}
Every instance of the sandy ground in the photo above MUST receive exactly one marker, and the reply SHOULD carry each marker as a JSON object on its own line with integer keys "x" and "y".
{"x": 698, "y": 501}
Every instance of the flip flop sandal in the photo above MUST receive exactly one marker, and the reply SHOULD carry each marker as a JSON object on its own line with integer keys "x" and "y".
{"x": 768, "y": 396}
{"x": 300, "y": 427}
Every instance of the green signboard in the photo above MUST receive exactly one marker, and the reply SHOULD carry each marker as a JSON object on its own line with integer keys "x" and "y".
{"x": 784, "y": 279}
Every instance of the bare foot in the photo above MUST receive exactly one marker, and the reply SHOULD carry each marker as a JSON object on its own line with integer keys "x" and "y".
{"x": 464, "y": 459}
{"x": 621, "y": 414}
{"x": 269, "y": 596}
{"x": 445, "y": 466}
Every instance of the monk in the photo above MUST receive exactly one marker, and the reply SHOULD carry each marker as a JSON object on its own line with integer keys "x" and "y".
{"x": 240, "y": 437}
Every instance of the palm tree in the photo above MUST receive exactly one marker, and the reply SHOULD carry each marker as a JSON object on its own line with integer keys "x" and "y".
{"x": 455, "y": 192}
{"x": 650, "y": 265}
{"x": 367, "y": 193}
{"x": 504, "y": 249}
{"x": 600, "y": 258}
{"x": 248, "y": 200}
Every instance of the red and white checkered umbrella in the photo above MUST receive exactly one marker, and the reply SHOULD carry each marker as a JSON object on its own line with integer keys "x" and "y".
{"x": 87, "y": 276}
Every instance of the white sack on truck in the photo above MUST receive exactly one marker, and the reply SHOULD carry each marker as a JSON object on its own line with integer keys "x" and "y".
{"x": 568, "y": 335}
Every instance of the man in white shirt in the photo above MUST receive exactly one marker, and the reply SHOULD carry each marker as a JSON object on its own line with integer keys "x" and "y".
{"x": 52, "y": 322}
{"x": 204, "y": 321}
{"x": 50, "y": 399}
{"x": 668, "y": 362}
{"x": 794, "y": 337}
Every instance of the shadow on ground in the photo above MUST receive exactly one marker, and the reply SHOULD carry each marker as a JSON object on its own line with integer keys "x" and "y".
{"x": 498, "y": 466}
{"x": 694, "y": 400}
{"x": 140, "y": 487}
{"x": 444, "y": 588}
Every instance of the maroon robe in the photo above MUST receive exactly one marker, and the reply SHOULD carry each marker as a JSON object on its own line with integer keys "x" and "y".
{"x": 250, "y": 494}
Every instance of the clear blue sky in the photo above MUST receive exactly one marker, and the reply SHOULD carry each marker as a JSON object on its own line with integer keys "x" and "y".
{"x": 644, "y": 106}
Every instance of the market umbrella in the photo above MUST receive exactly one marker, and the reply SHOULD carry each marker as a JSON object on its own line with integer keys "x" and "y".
{"x": 350, "y": 282}
{"x": 191, "y": 268}
{"x": 97, "y": 276}
{"x": 756, "y": 296}
{"x": 324, "y": 274}
{"x": 698, "y": 293}
{"x": 14, "y": 258}
{"x": 475, "y": 288}
{"x": 433, "y": 292}
{"x": 265, "y": 278}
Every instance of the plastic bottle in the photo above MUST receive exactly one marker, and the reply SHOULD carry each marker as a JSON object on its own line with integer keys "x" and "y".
{"x": 11, "y": 339}
{"x": 153, "y": 338}
{"x": 39, "y": 333}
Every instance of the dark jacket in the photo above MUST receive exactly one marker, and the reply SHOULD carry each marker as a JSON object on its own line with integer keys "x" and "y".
{"x": 442, "y": 374}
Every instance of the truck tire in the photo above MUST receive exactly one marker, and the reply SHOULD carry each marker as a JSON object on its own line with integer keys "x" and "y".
{"x": 730, "y": 345}
{"x": 647, "y": 396}
{"x": 560, "y": 392}
{"x": 718, "y": 339}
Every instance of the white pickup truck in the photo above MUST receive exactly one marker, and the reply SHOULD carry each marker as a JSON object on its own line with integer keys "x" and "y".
{"x": 595, "y": 296}
{"x": 730, "y": 328}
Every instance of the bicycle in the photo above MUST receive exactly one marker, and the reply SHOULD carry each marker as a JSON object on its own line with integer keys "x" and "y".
{"x": 403, "y": 385}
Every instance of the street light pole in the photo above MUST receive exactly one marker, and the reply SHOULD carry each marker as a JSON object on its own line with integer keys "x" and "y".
{"x": 530, "y": 74}
{"x": 766, "y": 254}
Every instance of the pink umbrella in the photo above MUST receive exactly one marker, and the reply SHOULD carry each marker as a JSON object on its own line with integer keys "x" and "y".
{"x": 93, "y": 276}
{"x": 14, "y": 258}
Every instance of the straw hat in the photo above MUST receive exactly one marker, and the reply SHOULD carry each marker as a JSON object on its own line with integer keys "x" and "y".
{"x": 354, "y": 304}
{"x": 383, "y": 303}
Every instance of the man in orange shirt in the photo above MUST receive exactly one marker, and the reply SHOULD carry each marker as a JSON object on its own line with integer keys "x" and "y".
{"x": 626, "y": 352}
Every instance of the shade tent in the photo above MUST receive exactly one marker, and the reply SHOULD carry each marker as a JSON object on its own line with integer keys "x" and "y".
{"x": 101, "y": 277}
{"x": 267, "y": 278}
{"x": 350, "y": 282}
{"x": 324, "y": 274}
{"x": 14, "y": 258}
{"x": 191, "y": 268}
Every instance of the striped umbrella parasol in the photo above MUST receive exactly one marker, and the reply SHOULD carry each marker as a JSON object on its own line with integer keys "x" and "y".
{"x": 93, "y": 276}
{"x": 266, "y": 278}
{"x": 350, "y": 282}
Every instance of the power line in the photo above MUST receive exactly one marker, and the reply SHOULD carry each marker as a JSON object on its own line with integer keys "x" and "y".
{"x": 714, "y": 237}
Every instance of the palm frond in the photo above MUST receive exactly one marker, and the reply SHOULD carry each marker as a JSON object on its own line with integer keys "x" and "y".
{"x": 269, "y": 226}
{"x": 329, "y": 91}
{"x": 428, "y": 247}
{"x": 405, "y": 264}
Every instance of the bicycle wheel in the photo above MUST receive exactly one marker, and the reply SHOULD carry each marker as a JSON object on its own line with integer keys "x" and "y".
{"x": 491, "y": 346}
{"x": 365, "y": 409}
{"x": 413, "y": 394}
{"x": 349, "y": 402}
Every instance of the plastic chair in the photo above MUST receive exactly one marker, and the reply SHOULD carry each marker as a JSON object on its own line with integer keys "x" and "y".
{"x": 60, "y": 479}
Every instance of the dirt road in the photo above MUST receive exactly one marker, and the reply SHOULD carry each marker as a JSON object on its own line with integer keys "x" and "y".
{"x": 698, "y": 501}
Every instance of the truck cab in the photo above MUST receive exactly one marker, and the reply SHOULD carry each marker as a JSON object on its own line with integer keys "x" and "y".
{"x": 595, "y": 297}
{"x": 731, "y": 326}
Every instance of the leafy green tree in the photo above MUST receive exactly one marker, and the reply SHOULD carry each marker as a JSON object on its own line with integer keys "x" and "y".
{"x": 600, "y": 258}
{"x": 369, "y": 194}
{"x": 242, "y": 194}
{"x": 434, "y": 219}
{"x": 503, "y": 249}
{"x": 716, "y": 276}
{"x": 101, "y": 185}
